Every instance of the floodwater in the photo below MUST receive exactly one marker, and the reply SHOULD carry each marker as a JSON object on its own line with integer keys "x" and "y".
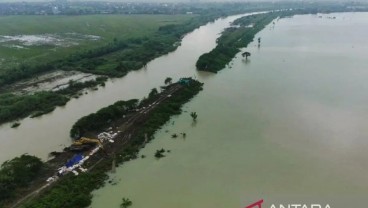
{"x": 290, "y": 124}
{"x": 42, "y": 135}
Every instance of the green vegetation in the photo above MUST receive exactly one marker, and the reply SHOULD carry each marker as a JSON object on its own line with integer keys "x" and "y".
{"x": 127, "y": 43}
{"x": 75, "y": 29}
{"x": 160, "y": 153}
{"x": 75, "y": 191}
{"x": 72, "y": 191}
{"x": 15, "y": 125}
{"x": 194, "y": 115}
{"x": 14, "y": 106}
{"x": 113, "y": 45}
{"x": 168, "y": 80}
{"x": 232, "y": 39}
{"x": 126, "y": 203}
{"x": 162, "y": 113}
{"x": 75, "y": 87}
{"x": 19, "y": 106}
{"x": 153, "y": 93}
{"x": 18, "y": 173}
{"x": 244, "y": 30}
{"x": 102, "y": 118}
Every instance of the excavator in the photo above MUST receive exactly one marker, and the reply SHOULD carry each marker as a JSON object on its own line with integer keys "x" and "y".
{"x": 84, "y": 143}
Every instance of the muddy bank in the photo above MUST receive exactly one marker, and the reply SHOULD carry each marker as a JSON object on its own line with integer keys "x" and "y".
{"x": 51, "y": 81}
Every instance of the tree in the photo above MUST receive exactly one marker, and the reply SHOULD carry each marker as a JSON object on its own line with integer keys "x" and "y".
{"x": 18, "y": 173}
{"x": 153, "y": 92}
{"x": 168, "y": 80}
{"x": 246, "y": 54}
{"x": 126, "y": 203}
{"x": 160, "y": 153}
{"x": 194, "y": 115}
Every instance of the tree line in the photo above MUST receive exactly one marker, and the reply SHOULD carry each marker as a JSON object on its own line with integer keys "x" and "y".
{"x": 14, "y": 106}
{"x": 75, "y": 191}
{"x": 18, "y": 173}
{"x": 232, "y": 39}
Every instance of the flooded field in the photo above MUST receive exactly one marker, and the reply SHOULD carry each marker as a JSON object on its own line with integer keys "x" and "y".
{"x": 52, "y": 81}
{"x": 54, "y": 127}
{"x": 286, "y": 124}
{"x": 32, "y": 39}
{"x": 60, "y": 40}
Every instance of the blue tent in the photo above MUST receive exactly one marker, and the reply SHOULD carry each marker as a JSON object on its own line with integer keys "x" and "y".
{"x": 75, "y": 159}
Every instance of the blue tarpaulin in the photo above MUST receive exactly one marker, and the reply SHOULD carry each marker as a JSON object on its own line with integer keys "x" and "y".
{"x": 75, "y": 159}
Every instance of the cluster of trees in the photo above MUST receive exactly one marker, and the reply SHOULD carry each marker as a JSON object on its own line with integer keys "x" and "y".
{"x": 72, "y": 191}
{"x": 232, "y": 39}
{"x": 18, "y": 106}
{"x": 133, "y": 53}
{"x": 14, "y": 106}
{"x": 75, "y": 191}
{"x": 126, "y": 203}
{"x": 11, "y": 75}
{"x": 102, "y": 118}
{"x": 75, "y": 87}
{"x": 18, "y": 173}
{"x": 165, "y": 110}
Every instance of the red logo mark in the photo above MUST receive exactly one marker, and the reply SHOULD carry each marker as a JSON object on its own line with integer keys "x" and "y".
{"x": 257, "y": 204}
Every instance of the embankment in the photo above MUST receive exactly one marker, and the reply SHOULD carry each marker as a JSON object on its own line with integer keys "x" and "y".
{"x": 136, "y": 127}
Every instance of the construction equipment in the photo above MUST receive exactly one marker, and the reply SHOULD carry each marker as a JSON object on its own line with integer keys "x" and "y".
{"x": 84, "y": 143}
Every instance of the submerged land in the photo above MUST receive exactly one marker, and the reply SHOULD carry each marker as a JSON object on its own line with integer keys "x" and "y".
{"x": 243, "y": 32}
{"x": 99, "y": 46}
{"x": 134, "y": 122}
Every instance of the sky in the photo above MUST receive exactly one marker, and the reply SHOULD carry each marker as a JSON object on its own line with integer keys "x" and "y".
{"x": 177, "y": 0}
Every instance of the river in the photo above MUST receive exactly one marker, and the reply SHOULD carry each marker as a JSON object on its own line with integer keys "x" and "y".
{"x": 288, "y": 124}
{"x": 42, "y": 135}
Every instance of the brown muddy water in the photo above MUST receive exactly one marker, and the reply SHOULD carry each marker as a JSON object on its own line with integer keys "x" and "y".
{"x": 42, "y": 135}
{"x": 289, "y": 124}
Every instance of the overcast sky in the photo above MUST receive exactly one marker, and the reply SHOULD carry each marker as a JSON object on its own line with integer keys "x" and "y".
{"x": 179, "y": 0}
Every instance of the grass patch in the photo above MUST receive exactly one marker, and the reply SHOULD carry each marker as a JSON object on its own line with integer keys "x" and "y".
{"x": 107, "y": 27}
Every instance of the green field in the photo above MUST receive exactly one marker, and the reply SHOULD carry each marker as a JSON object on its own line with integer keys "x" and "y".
{"x": 65, "y": 28}
{"x": 46, "y": 43}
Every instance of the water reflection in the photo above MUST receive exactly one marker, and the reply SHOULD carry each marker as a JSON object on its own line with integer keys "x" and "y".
{"x": 205, "y": 75}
